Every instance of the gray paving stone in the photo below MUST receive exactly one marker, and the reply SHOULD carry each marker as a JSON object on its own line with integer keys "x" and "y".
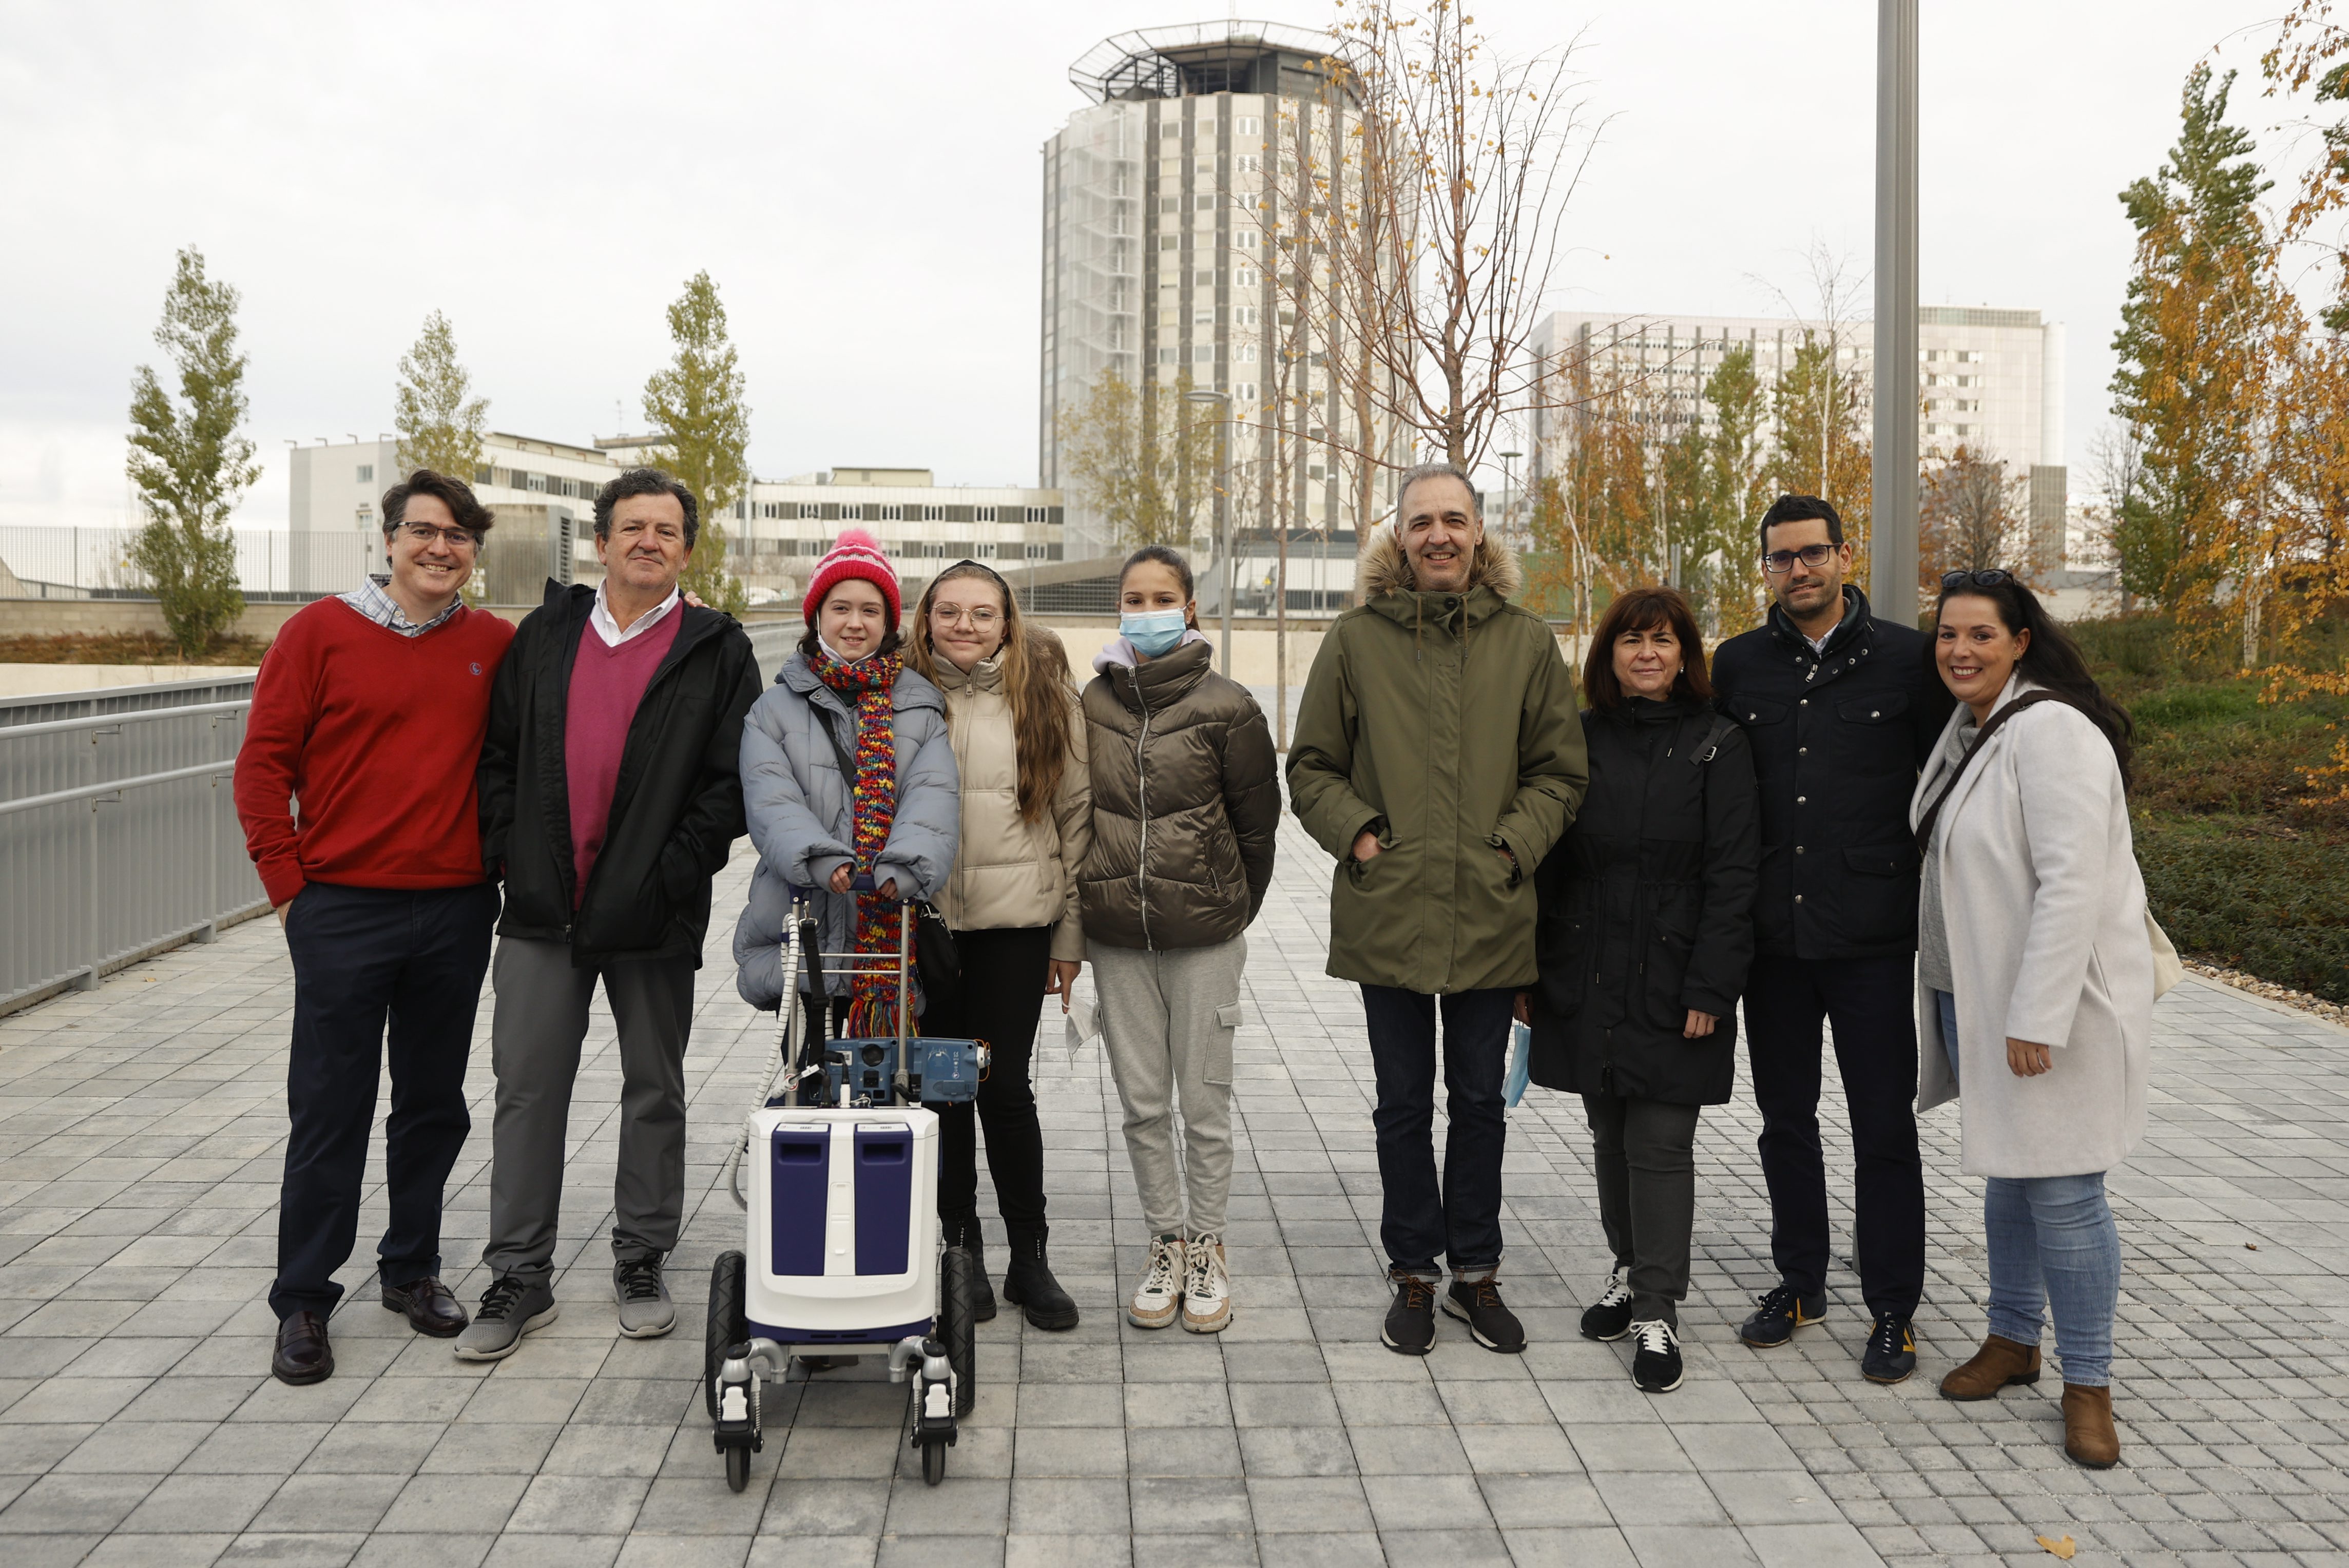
{"x": 135, "y": 1400}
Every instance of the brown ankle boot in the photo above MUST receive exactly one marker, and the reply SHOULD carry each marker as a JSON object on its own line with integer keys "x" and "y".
{"x": 2088, "y": 1434}
{"x": 1999, "y": 1364}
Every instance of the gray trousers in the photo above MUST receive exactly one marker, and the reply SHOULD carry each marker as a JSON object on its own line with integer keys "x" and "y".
{"x": 1166, "y": 1023}
{"x": 540, "y": 1023}
{"x": 1644, "y": 1154}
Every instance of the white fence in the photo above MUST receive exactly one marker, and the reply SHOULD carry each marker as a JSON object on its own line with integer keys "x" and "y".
{"x": 118, "y": 837}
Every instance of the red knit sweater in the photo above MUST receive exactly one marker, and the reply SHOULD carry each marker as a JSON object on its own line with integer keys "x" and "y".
{"x": 377, "y": 737}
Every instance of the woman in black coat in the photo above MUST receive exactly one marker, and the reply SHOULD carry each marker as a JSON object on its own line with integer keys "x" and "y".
{"x": 1645, "y": 937}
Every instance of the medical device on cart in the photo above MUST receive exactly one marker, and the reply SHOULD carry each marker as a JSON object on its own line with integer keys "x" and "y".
{"x": 837, "y": 1171}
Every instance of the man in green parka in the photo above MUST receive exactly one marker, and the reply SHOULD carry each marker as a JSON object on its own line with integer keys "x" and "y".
{"x": 1438, "y": 755}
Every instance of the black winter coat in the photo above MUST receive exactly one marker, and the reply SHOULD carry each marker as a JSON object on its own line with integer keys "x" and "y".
{"x": 1838, "y": 737}
{"x": 1647, "y": 910}
{"x": 677, "y": 807}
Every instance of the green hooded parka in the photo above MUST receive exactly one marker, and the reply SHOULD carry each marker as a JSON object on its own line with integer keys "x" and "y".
{"x": 1447, "y": 722}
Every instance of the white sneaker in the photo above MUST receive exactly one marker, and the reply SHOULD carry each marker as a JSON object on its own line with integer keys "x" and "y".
{"x": 1206, "y": 1287}
{"x": 1160, "y": 1295}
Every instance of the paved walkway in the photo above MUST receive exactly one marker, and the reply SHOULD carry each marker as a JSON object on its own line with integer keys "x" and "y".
{"x": 140, "y": 1135}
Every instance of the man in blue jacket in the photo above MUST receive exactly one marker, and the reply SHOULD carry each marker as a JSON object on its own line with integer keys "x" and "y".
{"x": 1841, "y": 708}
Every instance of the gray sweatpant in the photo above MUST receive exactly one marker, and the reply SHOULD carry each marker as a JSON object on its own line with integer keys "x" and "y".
{"x": 1643, "y": 1151}
{"x": 535, "y": 1035}
{"x": 1166, "y": 1024}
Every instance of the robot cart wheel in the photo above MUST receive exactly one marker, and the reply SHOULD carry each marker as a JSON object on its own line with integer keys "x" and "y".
{"x": 934, "y": 1464}
{"x": 958, "y": 1330}
{"x": 729, "y": 1327}
{"x": 738, "y": 1468}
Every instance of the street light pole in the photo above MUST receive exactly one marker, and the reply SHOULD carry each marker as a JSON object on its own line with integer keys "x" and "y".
{"x": 1223, "y": 512}
{"x": 1892, "y": 466}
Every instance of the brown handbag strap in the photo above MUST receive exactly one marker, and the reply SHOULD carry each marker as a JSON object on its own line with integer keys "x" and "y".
{"x": 1934, "y": 813}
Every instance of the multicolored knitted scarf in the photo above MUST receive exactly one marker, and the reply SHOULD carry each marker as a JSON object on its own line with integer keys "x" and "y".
{"x": 868, "y": 686}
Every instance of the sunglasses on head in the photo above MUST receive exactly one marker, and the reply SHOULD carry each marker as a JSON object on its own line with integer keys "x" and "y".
{"x": 1989, "y": 577}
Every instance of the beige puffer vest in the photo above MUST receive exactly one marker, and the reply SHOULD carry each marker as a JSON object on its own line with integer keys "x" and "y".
{"x": 1012, "y": 874}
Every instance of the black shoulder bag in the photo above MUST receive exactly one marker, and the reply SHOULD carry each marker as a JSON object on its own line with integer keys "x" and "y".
{"x": 934, "y": 957}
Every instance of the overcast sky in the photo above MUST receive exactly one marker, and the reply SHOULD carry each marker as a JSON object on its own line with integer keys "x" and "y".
{"x": 863, "y": 183}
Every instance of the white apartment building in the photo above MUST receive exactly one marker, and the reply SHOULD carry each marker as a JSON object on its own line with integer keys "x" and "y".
{"x": 1159, "y": 208}
{"x": 544, "y": 495}
{"x": 1990, "y": 379}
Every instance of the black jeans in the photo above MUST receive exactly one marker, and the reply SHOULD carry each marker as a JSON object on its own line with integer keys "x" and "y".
{"x": 1460, "y": 1218}
{"x": 1643, "y": 1152}
{"x": 1003, "y": 974}
{"x": 362, "y": 956}
{"x": 1872, "y": 1004}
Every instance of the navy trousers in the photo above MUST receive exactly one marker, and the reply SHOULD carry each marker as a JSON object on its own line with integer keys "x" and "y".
{"x": 1872, "y": 1004}
{"x": 365, "y": 959}
{"x": 1459, "y": 1217}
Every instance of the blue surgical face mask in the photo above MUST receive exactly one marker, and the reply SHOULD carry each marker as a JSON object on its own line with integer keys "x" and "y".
{"x": 1151, "y": 632}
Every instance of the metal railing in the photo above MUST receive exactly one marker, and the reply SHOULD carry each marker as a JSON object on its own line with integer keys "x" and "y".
{"x": 119, "y": 835}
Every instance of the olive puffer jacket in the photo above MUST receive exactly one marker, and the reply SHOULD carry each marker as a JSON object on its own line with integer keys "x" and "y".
{"x": 1445, "y": 722}
{"x": 1187, "y": 801}
{"x": 1012, "y": 873}
{"x": 1647, "y": 909}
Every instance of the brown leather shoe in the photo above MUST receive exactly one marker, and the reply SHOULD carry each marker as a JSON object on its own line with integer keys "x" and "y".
{"x": 430, "y": 1307}
{"x": 303, "y": 1355}
{"x": 1999, "y": 1364}
{"x": 2088, "y": 1434}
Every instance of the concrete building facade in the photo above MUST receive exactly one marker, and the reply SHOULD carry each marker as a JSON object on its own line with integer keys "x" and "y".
{"x": 544, "y": 495}
{"x": 1989, "y": 379}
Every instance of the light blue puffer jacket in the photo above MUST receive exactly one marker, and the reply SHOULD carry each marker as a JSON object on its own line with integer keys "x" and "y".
{"x": 798, "y": 809}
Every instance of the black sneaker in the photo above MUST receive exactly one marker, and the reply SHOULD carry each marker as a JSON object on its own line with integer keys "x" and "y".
{"x": 1609, "y": 1317}
{"x": 1778, "y": 1314}
{"x": 1655, "y": 1356}
{"x": 1891, "y": 1352}
{"x": 1478, "y": 1304}
{"x": 1410, "y": 1320}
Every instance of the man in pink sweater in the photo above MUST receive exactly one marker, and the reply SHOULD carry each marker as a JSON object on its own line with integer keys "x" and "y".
{"x": 609, "y": 800}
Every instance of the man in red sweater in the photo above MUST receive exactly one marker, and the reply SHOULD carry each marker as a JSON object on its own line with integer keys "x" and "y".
{"x": 610, "y": 798}
{"x": 356, "y": 786}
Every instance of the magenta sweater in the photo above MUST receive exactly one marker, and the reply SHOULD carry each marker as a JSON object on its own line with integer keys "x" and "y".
{"x": 606, "y": 685}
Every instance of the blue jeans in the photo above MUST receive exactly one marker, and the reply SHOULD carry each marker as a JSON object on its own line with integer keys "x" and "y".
{"x": 2052, "y": 1244}
{"x": 1459, "y": 1215}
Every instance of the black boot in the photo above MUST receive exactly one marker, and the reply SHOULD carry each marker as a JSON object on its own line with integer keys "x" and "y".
{"x": 962, "y": 1232}
{"x": 1028, "y": 1285}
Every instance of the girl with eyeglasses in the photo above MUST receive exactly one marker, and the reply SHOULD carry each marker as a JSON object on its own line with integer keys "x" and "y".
{"x": 2035, "y": 983}
{"x": 1010, "y": 902}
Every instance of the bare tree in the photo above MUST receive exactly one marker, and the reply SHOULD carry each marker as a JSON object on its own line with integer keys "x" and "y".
{"x": 1968, "y": 514}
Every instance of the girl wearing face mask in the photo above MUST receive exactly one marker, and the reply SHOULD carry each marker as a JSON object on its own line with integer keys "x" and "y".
{"x": 1644, "y": 938}
{"x": 847, "y": 771}
{"x": 1011, "y": 901}
{"x": 1185, "y": 806}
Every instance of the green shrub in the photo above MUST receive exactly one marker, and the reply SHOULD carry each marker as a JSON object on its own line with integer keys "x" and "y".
{"x": 2232, "y": 893}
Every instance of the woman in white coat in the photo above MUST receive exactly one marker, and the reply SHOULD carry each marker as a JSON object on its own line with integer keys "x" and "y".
{"x": 2035, "y": 981}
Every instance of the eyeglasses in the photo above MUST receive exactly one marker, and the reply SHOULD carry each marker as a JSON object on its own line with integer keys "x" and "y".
{"x": 425, "y": 533}
{"x": 981, "y": 619}
{"x": 1989, "y": 577}
{"x": 1778, "y": 563}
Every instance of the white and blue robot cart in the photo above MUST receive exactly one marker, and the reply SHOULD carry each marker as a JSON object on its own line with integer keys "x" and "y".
{"x": 838, "y": 1171}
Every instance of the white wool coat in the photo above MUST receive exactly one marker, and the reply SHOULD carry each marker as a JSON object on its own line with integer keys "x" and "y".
{"x": 2046, "y": 911}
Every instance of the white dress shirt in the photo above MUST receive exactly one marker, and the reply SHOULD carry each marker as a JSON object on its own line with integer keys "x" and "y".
{"x": 600, "y": 617}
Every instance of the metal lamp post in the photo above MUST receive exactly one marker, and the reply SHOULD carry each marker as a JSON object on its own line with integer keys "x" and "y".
{"x": 1223, "y": 512}
{"x": 1892, "y": 465}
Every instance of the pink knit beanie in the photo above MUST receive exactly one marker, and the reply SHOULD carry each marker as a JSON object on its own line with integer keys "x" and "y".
{"x": 855, "y": 554}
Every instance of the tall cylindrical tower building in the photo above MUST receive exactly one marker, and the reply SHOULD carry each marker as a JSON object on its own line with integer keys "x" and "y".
{"x": 1162, "y": 207}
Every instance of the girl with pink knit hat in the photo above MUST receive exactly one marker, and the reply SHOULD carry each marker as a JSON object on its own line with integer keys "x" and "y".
{"x": 847, "y": 771}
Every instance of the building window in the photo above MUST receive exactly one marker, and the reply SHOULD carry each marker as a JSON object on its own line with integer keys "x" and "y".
{"x": 366, "y": 515}
{"x": 1245, "y": 391}
{"x": 1169, "y": 356}
{"x": 1204, "y": 354}
{"x": 367, "y": 473}
{"x": 1207, "y": 204}
{"x": 1035, "y": 514}
{"x": 1242, "y": 279}
{"x": 890, "y": 513}
{"x": 935, "y": 514}
{"x": 485, "y": 476}
{"x": 1169, "y": 242}
{"x": 537, "y": 482}
{"x": 1247, "y": 354}
{"x": 1205, "y": 278}
{"x": 809, "y": 509}
{"x": 1248, "y": 163}
{"x": 1170, "y": 203}
{"x": 985, "y": 514}
{"x": 1247, "y": 125}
